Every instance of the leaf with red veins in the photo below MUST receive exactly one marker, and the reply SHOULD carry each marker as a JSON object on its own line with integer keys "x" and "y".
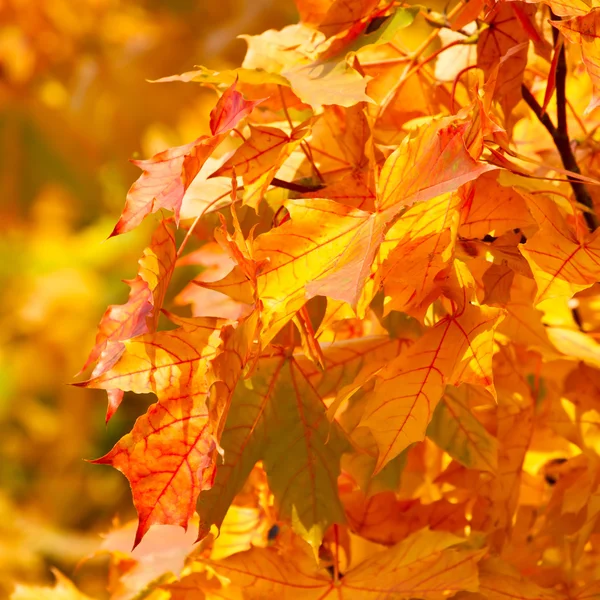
{"x": 427, "y": 565}
{"x": 302, "y": 466}
{"x": 170, "y": 455}
{"x": 356, "y": 189}
{"x": 259, "y": 158}
{"x": 415, "y": 250}
{"x": 505, "y": 32}
{"x": 163, "y": 361}
{"x": 429, "y": 162}
{"x": 168, "y": 174}
{"x": 230, "y": 110}
{"x": 279, "y": 391}
{"x": 584, "y": 31}
{"x": 339, "y": 141}
{"x": 564, "y": 259}
{"x": 166, "y": 177}
{"x": 491, "y": 208}
{"x": 206, "y": 302}
{"x": 457, "y": 350}
{"x": 325, "y": 249}
{"x": 140, "y": 314}
{"x": 168, "y": 459}
{"x": 122, "y": 322}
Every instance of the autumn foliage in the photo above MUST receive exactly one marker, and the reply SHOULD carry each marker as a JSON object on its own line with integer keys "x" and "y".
{"x": 383, "y": 380}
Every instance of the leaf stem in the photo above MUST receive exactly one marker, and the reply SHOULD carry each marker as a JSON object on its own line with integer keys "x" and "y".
{"x": 336, "y": 560}
{"x": 303, "y": 146}
{"x": 414, "y": 60}
{"x": 295, "y": 187}
{"x": 193, "y": 225}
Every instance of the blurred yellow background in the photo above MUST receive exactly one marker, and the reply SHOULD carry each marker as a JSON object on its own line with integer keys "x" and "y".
{"x": 75, "y": 105}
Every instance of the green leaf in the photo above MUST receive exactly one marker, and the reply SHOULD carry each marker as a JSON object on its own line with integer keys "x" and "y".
{"x": 401, "y": 19}
{"x": 278, "y": 416}
{"x": 454, "y": 429}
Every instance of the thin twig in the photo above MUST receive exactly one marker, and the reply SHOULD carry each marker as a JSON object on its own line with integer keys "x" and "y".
{"x": 562, "y": 142}
{"x": 414, "y": 60}
{"x": 303, "y": 145}
{"x": 295, "y": 187}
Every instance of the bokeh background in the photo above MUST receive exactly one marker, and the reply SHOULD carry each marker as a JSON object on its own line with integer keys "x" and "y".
{"x": 75, "y": 105}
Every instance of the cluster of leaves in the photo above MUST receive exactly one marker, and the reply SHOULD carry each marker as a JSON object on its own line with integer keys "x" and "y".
{"x": 388, "y": 387}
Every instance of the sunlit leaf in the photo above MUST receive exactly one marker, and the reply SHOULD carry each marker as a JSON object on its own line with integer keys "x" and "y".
{"x": 564, "y": 260}
{"x": 457, "y": 350}
{"x": 429, "y": 162}
{"x": 140, "y": 314}
{"x": 167, "y": 175}
{"x": 325, "y": 83}
{"x": 425, "y": 565}
{"x": 505, "y": 34}
{"x": 259, "y": 158}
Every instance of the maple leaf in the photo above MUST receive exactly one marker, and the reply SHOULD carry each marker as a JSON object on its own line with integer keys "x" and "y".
{"x": 564, "y": 260}
{"x": 339, "y": 139}
{"x": 499, "y": 581}
{"x": 491, "y": 208}
{"x": 426, "y": 232}
{"x": 157, "y": 362}
{"x": 455, "y": 429}
{"x": 425, "y": 565}
{"x": 170, "y": 454}
{"x": 140, "y": 314}
{"x": 402, "y": 403}
{"x": 429, "y": 162}
{"x": 259, "y": 158}
{"x": 206, "y": 302}
{"x": 457, "y": 350}
{"x": 168, "y": 174}
{"x": 324, "y": 249}
{"x": 505, "y": 33}
{"x": 280, "y": 395}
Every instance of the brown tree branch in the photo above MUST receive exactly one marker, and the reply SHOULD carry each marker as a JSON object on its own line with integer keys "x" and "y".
{"x": 560, "y": 136}
{"x": 295, "y": 187}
